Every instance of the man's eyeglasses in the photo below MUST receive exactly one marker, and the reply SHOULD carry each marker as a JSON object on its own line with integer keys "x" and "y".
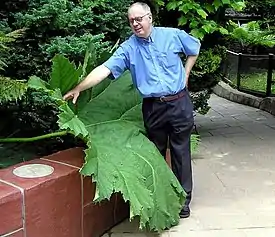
{"x": 138, "y": 19}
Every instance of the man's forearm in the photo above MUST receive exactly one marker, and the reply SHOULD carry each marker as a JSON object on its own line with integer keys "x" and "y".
{"x": 95, "y": 77}
{"x": 190, "y": 61}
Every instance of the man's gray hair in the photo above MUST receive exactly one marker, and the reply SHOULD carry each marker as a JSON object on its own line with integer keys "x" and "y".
{"x": 142, "y": 4}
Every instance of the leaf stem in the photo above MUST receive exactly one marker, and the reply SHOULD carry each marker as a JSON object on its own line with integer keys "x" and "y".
{"x": 32, "y": 139}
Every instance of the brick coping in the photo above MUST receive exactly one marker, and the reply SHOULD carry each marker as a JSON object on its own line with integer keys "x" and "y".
{"x": 60, "y": 204}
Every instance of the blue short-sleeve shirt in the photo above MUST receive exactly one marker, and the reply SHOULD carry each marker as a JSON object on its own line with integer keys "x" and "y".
{"x": 154, "y": 63}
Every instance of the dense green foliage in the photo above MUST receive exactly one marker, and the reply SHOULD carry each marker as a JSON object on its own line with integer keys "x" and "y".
{"x": 251, "y": 34}
{"x": 202, "y": 17}
{"x": 61, "y": 26}
{"x": 52, "y": 26}
{"x": 5, "y": 40}
{"x": 205, "y": 73}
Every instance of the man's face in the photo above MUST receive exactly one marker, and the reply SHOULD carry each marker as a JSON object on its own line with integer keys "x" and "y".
{"x": 140, "y": 21}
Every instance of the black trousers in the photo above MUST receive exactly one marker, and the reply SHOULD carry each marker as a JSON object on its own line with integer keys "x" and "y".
{"x": 172, "y": 121}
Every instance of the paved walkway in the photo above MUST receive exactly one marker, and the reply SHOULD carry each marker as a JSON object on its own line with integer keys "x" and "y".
{"x": 234, "y": 175}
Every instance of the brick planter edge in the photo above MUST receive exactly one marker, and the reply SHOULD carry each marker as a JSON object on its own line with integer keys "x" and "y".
{"x": 57, "y": 205}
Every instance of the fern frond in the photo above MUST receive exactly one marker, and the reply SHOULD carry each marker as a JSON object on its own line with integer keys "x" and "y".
{"x": 2, "y": 65}
{"x": 5, "y": 39}
{"x": 10, "y": 37}
{"x": 16, "y": 34}
{"x": 11, "y": 90}
{"x": 252, "y": 34}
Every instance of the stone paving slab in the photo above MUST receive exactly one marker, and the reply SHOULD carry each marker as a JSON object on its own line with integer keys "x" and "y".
{"x": 234, "y": 176}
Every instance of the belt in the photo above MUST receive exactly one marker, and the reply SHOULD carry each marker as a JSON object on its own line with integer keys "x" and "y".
{"x": 168, "y": 98}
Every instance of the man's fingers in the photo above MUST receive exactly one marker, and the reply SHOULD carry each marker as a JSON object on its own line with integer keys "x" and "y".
{"x": 71, "y": 95}
{"x": 65, "y": 97}
{"x": 68, "y": 96}
{"x": 75, "y": 98}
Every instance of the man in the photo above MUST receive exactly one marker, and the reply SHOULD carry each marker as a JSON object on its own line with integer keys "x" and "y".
{"x": 152, "y": 56}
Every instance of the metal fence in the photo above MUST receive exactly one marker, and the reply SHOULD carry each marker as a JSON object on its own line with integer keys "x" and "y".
{"x": 251, "y": 74}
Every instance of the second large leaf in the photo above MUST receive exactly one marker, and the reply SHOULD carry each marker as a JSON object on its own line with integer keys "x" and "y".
{"x": 120, "y": 158}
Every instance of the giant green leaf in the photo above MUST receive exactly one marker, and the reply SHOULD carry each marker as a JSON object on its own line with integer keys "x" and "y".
{"x": 120, "y": 158}
{"x": 64, "y": 80}
{"x": 69, "y": 120}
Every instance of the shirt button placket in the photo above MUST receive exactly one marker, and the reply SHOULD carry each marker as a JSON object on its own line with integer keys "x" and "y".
{"x": 157, "y": 62}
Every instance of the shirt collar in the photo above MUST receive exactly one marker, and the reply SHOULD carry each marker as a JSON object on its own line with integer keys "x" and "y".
{"x": 151, "y": 37}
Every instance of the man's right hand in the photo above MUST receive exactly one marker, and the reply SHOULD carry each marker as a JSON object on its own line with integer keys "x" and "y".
{"x": 72, "y": 94}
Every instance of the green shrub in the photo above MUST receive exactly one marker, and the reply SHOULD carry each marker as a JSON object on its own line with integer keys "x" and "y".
{"x": 74, "y": 47}
{"x": 204, "y": 76}
{"x": 61, "y": 26}
{"x": 200, "y": 100}
{"x": 199, "y": 16}
{"x": 205, "y": 73}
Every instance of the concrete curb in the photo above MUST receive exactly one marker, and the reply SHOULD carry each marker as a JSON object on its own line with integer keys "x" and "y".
{"x": 225, "y": 91}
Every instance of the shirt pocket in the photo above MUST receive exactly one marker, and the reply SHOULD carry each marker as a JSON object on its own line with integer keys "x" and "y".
{"x": 168, "y": 60}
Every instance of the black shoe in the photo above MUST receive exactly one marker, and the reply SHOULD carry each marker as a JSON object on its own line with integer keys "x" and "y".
{"x": 185, "y": 212}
